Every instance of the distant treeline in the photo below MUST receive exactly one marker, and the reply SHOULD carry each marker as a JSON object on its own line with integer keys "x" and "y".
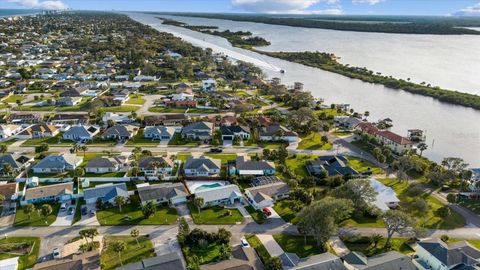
{"x": 328, "y": 62}
{"x": 242, "y": 39}
{"x": 399, "y": 25}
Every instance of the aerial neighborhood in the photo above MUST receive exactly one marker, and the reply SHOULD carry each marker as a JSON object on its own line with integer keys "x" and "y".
{"x": 106, "y": 123}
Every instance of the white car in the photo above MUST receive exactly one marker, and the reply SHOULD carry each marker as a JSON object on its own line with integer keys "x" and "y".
{"x": 56, "y": 253}
{"x": 244, "y": 242}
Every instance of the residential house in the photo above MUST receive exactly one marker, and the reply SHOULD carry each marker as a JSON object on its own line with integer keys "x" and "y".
{"x": 209, "y": 85}
{"x": 391, "y": 260}
{"x": 220, "y": 195}
{"x": 395, "y": 142}
{"x": 244, "y": 258}
{"x": 228, "y": 120}
{"x": 16, "y": 161}
{"x": 105, "y": 192}
{"x": 474, "y": 180}
{"x": 332, "y": 165}
{"x": 143, "y": 78}
{"x": 9, "y": 190}
{"x": 68, "y": 101}
{"x": 347, "y": 123}
{"x": 74, "y": 92}
{"x": 57, "y": 163}
{"x": 120, "y": 132}
{"x": 277, "y": 132}
{"x": 183, "y": 87}
{"x": 105, "y": 165}
{"x": 23, "y": 118}
{"x": 78, "y": 261}
{"x": 229, "y": 133}
{"x": 162, "y": 133}
{"x": 57, "y": 192}
{"x": 266, "y": 195}
{"x": 436, "y": 254}
{"x": 9, "y": 263}
{"x": 181, "y": 103}
{"x": 8, "y": 130}
{"x": 171, "y": 193}
{"x": 245, "y": 166}
{"x": 323, "y": 261}
{"x": 169, "y": 261}
{"x": 116, "y": 118}
{"x": 226, "y": 96}
{"x": 120, "y": 95}
{"x": 166, "y": 119}
{"x": 198, "y": 131}
{"x": 183, "y": 96}
{"x": 202, "y": 167}
{"x": 38, "y": 131}
{"x": 69, "y": 119}
{"x": 80, "y": 133}
{"x": 156, "y": 165}
{"x": 386, "y": 197}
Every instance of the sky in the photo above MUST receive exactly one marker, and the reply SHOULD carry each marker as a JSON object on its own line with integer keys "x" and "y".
{"x": 337, "y": 7}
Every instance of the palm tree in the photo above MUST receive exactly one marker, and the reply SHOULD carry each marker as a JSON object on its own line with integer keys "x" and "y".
{"x": 119, "y": 246}
{"x": 28, "y": 209}
{"x": 75, "y": 148}
{"x": 3, "y": 148}
{"x": 422, "y": 147}
{"x": 120, "y": 200}
{"x": 198, "y": 202}
{"x": 46, "y": 210}
{"x": 135, "y": 233}
{"x": 84, "y": 149}
{"x": 7, "y": 169}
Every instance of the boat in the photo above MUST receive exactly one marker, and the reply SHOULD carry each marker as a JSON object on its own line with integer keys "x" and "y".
{"x": 282, "y": 71}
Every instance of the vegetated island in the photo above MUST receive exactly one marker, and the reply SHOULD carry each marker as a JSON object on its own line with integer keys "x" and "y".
{"x": 328, "y": 62}
{"x": 240, "y": 39}
{"x": 394, "y": 24}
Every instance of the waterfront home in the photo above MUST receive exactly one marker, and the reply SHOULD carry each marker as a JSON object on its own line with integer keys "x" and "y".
{"x": 276, "y": 132}
{"x": 38, "y": 131}
{"x": 209, "y": 85}
{"x": 69, "y": 119}
{"x": 219, "y": 195}
{"x": 395, "y": 142}
{"x": 57, "y": 163}
{"x": 347, "y": 123}
{"x": 202, "y": 167}
{"x": 116, "y": 118}
{"x": 245, "y": 166}
{"x": 120, "y": 132}
{"x": 435, "y": 254}
{"x": 68, "y": 101}
{"x": 230, "y": 132}
{"x": 156, "y": 165}
{"x": 198, "y": 131}
{"x": 332, "y": 165}
{"x": 23, "y": 118}
{"x": 101, "y": 165}
{"x": 244, "y": 258}
{"x": 78, "y": 261}
{"x": 7, "y": 130}
{"x": 386, "y": 197}
{"x": 390, "y": 260}
{"x": 17, "y": 162}
{"x": 80, "y": 133}
{"x": 105, "y": 192}
{"x": 57, "y": 192}
{"x": 171, "y": 193}
{"x": 162, "y": 133}
{"x": 266, "y": 195}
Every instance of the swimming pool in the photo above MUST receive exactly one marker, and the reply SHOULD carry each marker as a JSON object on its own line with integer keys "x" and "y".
{"x": 195, "y": 186}
{"x": 202, "y": 187}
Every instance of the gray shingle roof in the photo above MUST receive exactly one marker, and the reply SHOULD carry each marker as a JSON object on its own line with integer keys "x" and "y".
{"x": 261, "y": 193}
{"x": 162, "y": 191}
{"x": 391, "y": 260}
{"x": 243, "y": 164}
{"x": 119, "y": 131}
{"x": 202, "y": 163}
{"x": 274, "y": 129}
{"x": 79, "y": 131}
{"x": 58, "y": 161}
{"x": 48, "y": 191}
{"x": 102, "y": 162}
{"x": 145, "y": 163}
{"x": 219, "y": 193}
{"x": 324, "y": 261}
{"x": 103, "y": 190}
{"x": 451, "y": 254}
{"x": 169, "y": 261}
{"x": 16, "y": 161}
{"x": 198, "y": 127}
{"x": 232, "y": 130}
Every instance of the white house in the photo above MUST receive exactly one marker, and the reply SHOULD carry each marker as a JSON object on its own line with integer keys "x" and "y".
{"x": 202, "y": 167}
{"x": 475, "y": 180}
{"x": 9, "y": 264}
{"x": 162, "y": 133}
{"x": 209, "y": 85}
{"x": 58, "y": 163}
{"x": 277, "y": 132}
{"x": 266, "y": 195}
{"x": 156, "y": 165}
{"x": 80, "y": 133}
{"x": 7, "y": 131}
{"x": 435, "y": 254}
{"x": 182, "y": 96}
{"x": 386, "y": 197}
{"x": 221, "y": 195}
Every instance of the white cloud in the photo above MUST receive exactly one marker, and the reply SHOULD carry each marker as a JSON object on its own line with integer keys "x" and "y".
{"x": 47, "y": 4}
{"x": 469, "y": 11}
{"x": 370, "y": 2}
{"x": 286, "y": 6}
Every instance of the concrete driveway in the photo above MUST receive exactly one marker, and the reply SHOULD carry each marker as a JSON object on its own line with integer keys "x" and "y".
{"x": 7, "y": 217}
{"x": 88, "y": 219}
{"x": 63, "y": 218}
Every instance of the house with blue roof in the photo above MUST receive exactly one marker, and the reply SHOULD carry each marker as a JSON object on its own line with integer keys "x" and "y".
{"x": 106, "y": 192}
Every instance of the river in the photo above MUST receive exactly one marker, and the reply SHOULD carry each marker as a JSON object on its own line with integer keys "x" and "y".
{"x": 451, "y": 130}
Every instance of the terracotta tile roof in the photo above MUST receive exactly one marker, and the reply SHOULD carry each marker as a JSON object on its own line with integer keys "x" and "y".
{"x": 393, "y": 137}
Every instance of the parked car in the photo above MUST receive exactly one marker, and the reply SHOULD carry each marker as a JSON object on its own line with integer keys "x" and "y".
{"x": 93, "y": 212}
{"x": 267, "y": 212}
{"x": 56, "y": 253}
{"x": 84, "y": 210}
{"x": 71, "y": 210}
{"x": 244, "y": 242}
{"x": 63, "y": 207}
{"x": 216, "y": 150}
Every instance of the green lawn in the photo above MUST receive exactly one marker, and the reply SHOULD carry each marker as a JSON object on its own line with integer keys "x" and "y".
{"x": 363, "y": 244}
{"x": 36, "y": 219}
{"x": 258, "y": 246}
{"x": 122, "y": 108}
{"x": 342, "y": 133}
{"x": 78, "y": 210}
{"x": 133, "y": 253}
{"x": 475, "y": 243}
{"x": 52, "y": 141}
{"x": 208, "y": 254}
{"x": 109, "y": 174}
{"x": 30, "y": 258}
{"x": 215, "y": 215}
{"x": 361, "y": 165}
{"x": 202, "y": 111}
{"x": 13, "y": 98}
{"x": 297, "y": 164}
{"x": 257, "y": 215}
{"x": 313, "y": 142}
{"x": 139, "y": 140}
{"x": 9, "y": 142}
{"x": 296, "y": 244}
{"x": 132, "y": 215}
{"x": 271, "y": 145}
{"x": 160, "y": 109}
{"x": 363, "y": 222}
{"x": 283, "y": 209}
{"x": 136, "y": 100}
{"x": 98, "y": 141}
{"x": 177, "y": 140}
{"x": 471, "y": 204}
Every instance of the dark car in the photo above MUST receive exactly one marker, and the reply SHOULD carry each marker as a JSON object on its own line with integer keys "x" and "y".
{"x": 84, "y": 210}
{"x": 216, "y": 150}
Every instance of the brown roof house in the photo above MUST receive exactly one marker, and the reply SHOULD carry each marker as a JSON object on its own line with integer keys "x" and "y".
{"x": 38, "y": 131}
{"x": 58, "y": 192}
{"x": 243, "y": 258}
{"x": 83, "y": 261}
{"x": 9, "y": 190}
